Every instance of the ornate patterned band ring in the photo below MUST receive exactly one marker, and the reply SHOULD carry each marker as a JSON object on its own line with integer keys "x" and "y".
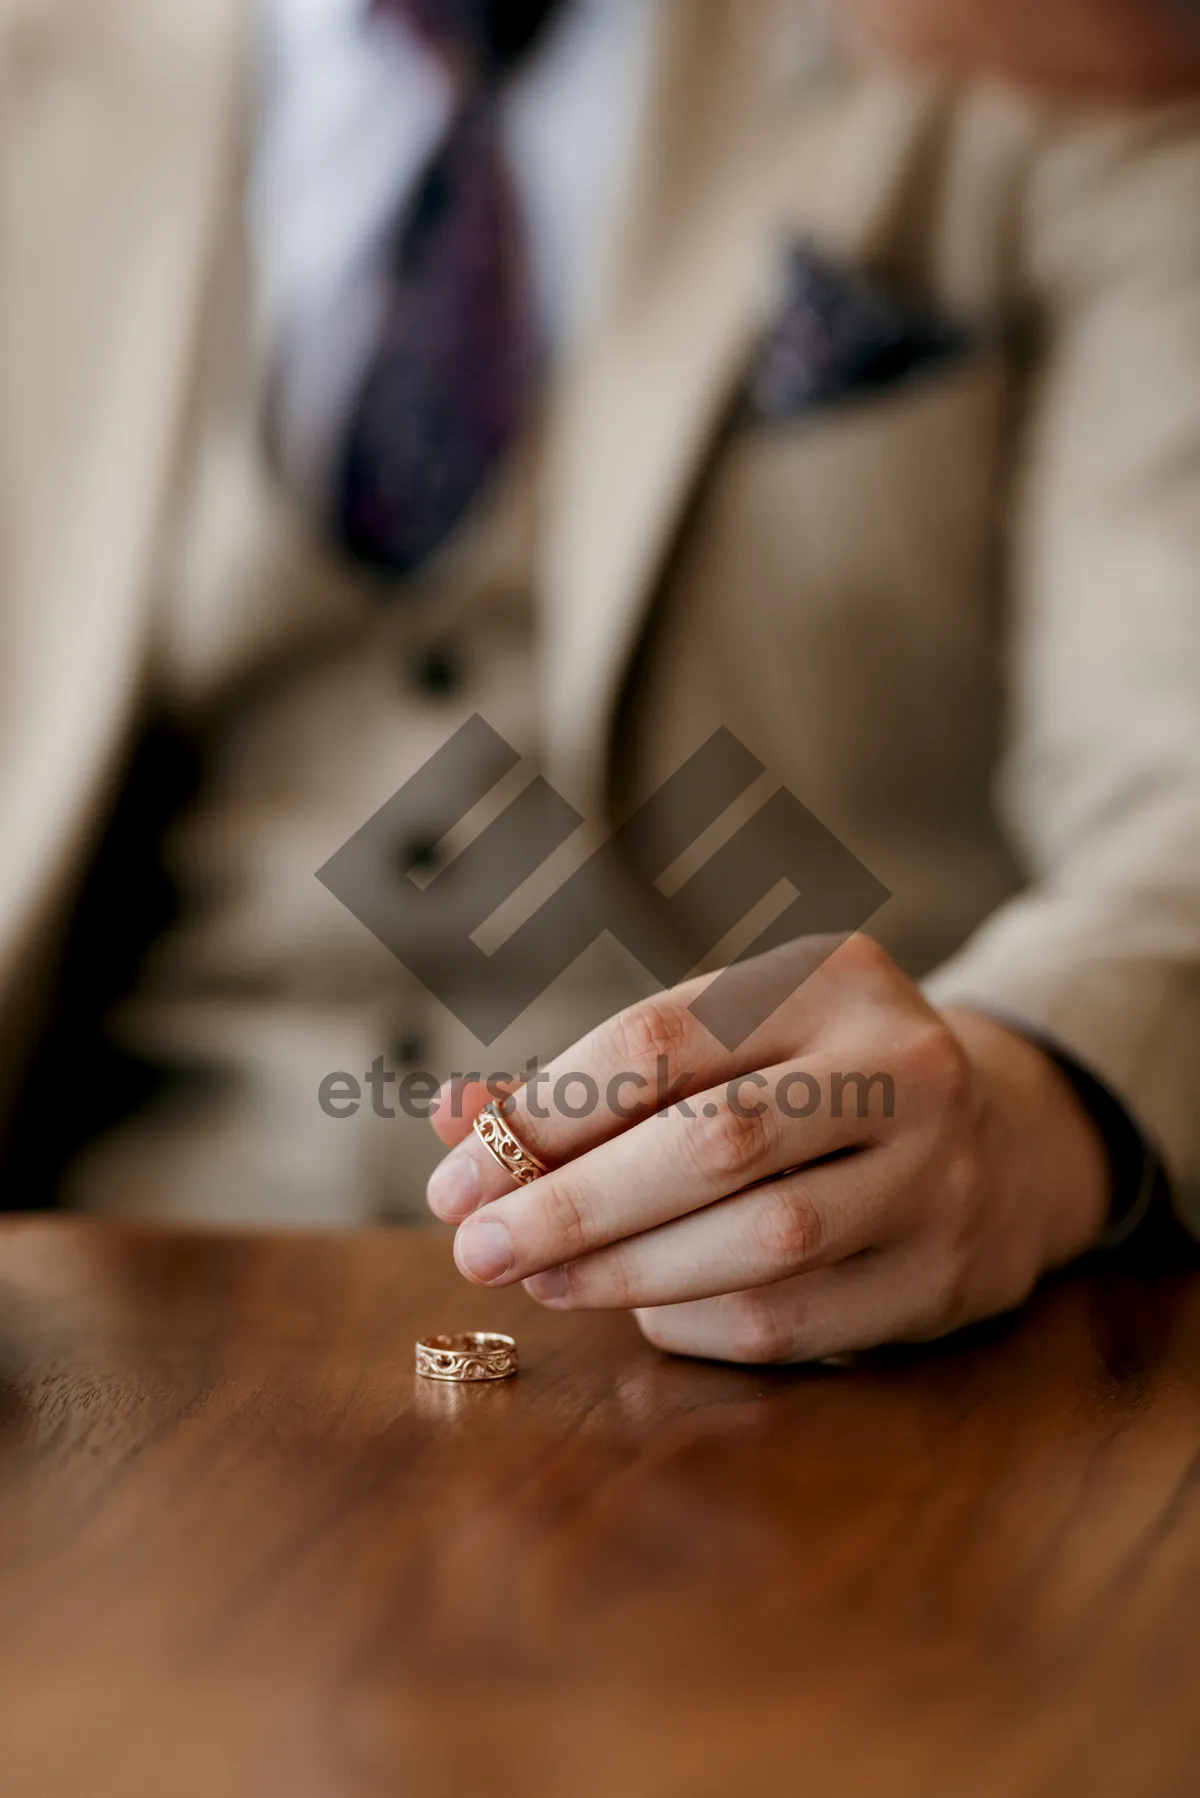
{"x": 493, "y": 1131}
{"x": 474, "y": 1355}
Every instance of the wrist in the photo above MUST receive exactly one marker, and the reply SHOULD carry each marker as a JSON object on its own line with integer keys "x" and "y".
{"x": 1045, "y": 1146}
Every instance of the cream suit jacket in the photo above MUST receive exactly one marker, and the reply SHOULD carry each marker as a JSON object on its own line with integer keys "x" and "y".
{"x": 959, "y": 619}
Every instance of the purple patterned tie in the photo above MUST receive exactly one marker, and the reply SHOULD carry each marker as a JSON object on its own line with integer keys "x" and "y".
{"x": 446, "y": 386}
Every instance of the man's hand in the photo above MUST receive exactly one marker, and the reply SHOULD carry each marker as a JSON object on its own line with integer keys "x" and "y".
{"x": 863, "y": 1169}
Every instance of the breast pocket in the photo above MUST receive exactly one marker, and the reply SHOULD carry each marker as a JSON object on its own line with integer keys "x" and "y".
{"x": 890, "y": 499}
{"x": 836, "y": 591}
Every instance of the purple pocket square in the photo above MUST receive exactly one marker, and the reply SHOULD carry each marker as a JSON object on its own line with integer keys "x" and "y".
{"x": 839, "y": 334}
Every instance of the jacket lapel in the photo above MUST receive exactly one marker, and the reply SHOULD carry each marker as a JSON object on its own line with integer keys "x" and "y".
{"x": 735, "y": 163}
{"x": 120, "y": 135}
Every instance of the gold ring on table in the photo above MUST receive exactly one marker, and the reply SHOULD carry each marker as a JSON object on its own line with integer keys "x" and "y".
{"x": 468, "y": 1357}
{"x": 506, "y": 1147}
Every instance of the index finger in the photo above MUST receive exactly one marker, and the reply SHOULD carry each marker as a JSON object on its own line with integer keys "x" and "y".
{"x": 641, "y": 1062}
{"x": 626, "y": 1070}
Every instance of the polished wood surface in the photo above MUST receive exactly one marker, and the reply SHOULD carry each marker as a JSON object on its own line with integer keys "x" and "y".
{"x": 244, "y": 1551}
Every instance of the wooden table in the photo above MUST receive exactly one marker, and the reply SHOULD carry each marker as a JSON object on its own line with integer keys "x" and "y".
{"x": 245, "y": 1551}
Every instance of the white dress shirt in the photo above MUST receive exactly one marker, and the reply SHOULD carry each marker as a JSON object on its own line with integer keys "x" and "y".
{"x": 352, "y": 105}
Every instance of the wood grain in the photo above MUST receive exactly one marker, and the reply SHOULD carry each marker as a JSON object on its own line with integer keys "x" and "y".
{"x": 244, "y": 1551}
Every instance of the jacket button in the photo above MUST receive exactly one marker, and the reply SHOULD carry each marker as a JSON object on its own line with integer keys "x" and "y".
{"x": 437, "y": 671}
{"x": 419, "y": 855}
{"x": 408, "y": 1049}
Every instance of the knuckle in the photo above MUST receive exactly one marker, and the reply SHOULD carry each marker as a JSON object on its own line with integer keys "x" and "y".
{"x": 862, "y": 957}
{"x": 959, "y": 1186}
{"x": 618, "y": 1281}
{"x": 942, "y": 1313}
{"x": 938, "y": 1063}
{"x": 655, "y": 1325}
{"x": 567, "y": 1218}
{"x": 659, "y": 1029}
{"x": 942, "y": 1308}
{"x": 734, "y": 1145}
{"x": 791, "y": 1232}
{"x": 757, "y": 1333}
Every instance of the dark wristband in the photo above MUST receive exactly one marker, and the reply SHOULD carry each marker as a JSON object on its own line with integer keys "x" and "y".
{"x": 1143, "y": 1227}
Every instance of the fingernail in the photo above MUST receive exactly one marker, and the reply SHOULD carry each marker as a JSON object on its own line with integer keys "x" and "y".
{"x": 551, "y": 1287}
{"x": 454, "y": 1190}
{"x": 483, "y": 1249}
